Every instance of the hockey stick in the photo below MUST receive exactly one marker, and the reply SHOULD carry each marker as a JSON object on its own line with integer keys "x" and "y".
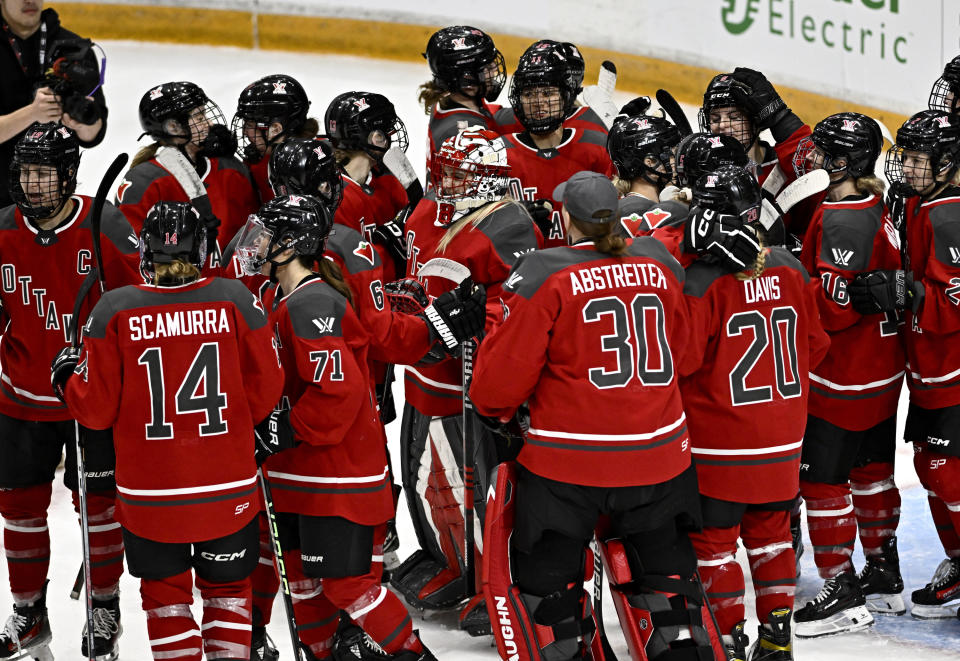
{"x": 281, "y": 567}
{"x": 598, "y": 96}
{"x": 456, "y": 272}
{"x": 608, "y": 654}
{"x": 400, "y": 167}
{"x": 78, "y": 584}
{"x": 809, "y": 184}
{"x": 775, "y": 180}
{"x": 177, "y": 164}
{"x": 674, "y": 112}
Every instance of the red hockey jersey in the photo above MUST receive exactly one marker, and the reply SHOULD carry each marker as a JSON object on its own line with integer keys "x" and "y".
{"x": 260, "y": 173}
{"x": 594, "y": 344}
{"x": 364, "y": 206}
{"x": 535, "y": 173}
{"x": 583, "y": 118}
{"x": 41, "y": 272}
{"x": 489, "y": 249}
{"x": 933, "y": 333}
{"x": 228, "y": 185}
{"x": 447, "y": 123}
{"x": 182, "y": 374}
{"x": 339, "y": 468}
{"x": 858, "y": 385}
{"x": 754, "y": 342}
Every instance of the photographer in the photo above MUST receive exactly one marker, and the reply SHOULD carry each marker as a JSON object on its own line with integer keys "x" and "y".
{"x": 47, "y": 74}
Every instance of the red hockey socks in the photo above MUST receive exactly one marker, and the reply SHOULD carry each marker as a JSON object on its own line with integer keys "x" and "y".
{"x": 226, "y": 627}
{"x": 317, "y": 618}
{"x": 173, "y": 632}
{"x": 832, "y": 525}
{"x": 374, "y": 609}
{"x": 940, "y": 476}
{"x": 26, "y": 539}
{"x": 876, "y": 504}
{"x": 721, "y": 574}
{"x": 265, "y": 580}
{"x": 766, "y": 536}
{"x": 106, "y": 543}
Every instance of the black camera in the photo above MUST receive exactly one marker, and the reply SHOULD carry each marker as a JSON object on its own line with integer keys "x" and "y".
{"x": 73, "y": 76}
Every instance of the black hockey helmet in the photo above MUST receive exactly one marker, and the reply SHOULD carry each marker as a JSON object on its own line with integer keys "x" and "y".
{"x": 306, "y": 166}
{"x": 633, "y": 140}
{"x": 729, "y": 189}
{"x": 945, "y": 93}
{"x": 575, "y": 64}
{"x": 461, "y": 56}
{"x": 699, "y": 153}
{"x": 178, "y": 102}
{"x": 542, "y": 66}
{"x": 172, "y": 231}
{"x": 298, "y": 222}
{"x": 933, "y": 133}
{"x": 851, "y": 136}
{"x": 35, "y": 192}
{"x": 720, "y": 94}
{"x": 364, "y": 121}
{"x": 276, "y": 98}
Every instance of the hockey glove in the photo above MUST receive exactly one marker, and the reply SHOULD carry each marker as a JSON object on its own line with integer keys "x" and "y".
{"x": 220, "y": 141}
{"x": 874, "y": 292}
{"x": 406, "y": 296}
{"x": 457, "y": 315}
{"x": 758, "y": 97}
{"x": 62, "y": 368}
{"x": 390, "y": 236}
{"x": 273, "y": 434}
{"x": 508, "y": 435}
{"x": 540, "y": 211}
{"x": 734, "y": 245}
{"x": 638, "y": 106}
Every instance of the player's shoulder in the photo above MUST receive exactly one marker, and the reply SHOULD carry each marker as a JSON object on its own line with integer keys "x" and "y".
{"x": 778, "y": 256}
{"x": 138, "y": 180}
{"x": 651, "y": 248}
{"x": 510, "y": 229}
{"x": 590, "y": 136}
{"x": 701, "y": 276}
{"x": 316, "y": 309}
{"x": 230, "y": 164}
{"x": 117, "y": 229}
{"x": 8, "y": 217}
{"x": 356, "y": 253}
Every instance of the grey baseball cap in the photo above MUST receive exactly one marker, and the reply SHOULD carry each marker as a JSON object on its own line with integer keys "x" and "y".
{"x": 589, "y": 197}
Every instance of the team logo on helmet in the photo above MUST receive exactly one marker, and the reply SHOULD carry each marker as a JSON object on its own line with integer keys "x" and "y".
{"x": 63, "y": 131}
{"x": 715, "y": 142}
{"x": 943, "y": 121}
{"x": 295, "y": 199}
{"x": 36, "y": 134}
{"x": 156, "y": 92}
{"x": 850, "y": 125}
{"x": 319, "y": 152}
{"x": 280, "y": 88}
{"x": 361, "y": 104}
{"x": 641, "y": 123}
{"x": 332, "y": 126}
{"x": 711, "y": 181}
{"x": 460, "y": 44}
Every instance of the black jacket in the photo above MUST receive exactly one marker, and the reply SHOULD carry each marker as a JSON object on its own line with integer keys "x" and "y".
{"x": 17, "y": 86}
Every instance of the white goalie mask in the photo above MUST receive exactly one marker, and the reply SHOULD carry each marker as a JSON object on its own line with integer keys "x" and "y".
{"x": 469, "y": 171}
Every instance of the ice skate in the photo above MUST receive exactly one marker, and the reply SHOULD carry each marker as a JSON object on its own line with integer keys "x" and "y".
{"x": 735, "y": 643}
{"x": 262, "y": 647}
{"x": 106, "y": 630}
{"x": 838, "y": 608}
{"x": 353, "y": 644}
{"x": 939, "y": 598}
{"x": 774, "y": 639}
{"x": 881, "y": 582}
{"x": 26, "y": 634}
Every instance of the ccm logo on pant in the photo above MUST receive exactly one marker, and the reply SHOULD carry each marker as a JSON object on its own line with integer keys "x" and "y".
{"x": 222, "y": 557}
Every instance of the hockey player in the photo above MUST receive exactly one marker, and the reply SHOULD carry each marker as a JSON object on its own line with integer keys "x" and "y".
{"x": 362, "y": 126}
{"x": 180, "y": 117}
{"x": 333, "y": 490}
{"x": 182, "y": 368}
{"x": 270, "y": 110}
{"x": 475, "y": 223}
{"x": 596, "y": 327}
{"x": 548, "y": 151}
{"x": 923, "y": 167}
{"x": 846, "y": 470}
{"x": 642, "y": 150}
{"x": 468, "y": 76}
{"x": 756, "y": 334}
{"x": 47, "y": 251}
{"x": 945, "y": 93}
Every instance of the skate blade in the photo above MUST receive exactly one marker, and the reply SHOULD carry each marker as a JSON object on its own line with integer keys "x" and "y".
{"x": 852, "y": 619}
{"x": 946, "y": 611}
{"x": 41, "y": 653}
{"x": 886, "y": 604}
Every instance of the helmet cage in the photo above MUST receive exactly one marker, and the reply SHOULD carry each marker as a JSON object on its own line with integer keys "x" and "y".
{"x": 930, "y": 132}
{"x": 39, "y": 147}
{"x": 945, "y": 93}
{"x": 272, "y": 99}
{"x": 632, "y": 140}
{"x": 470, "y": 170}
{"x": 461, "y": 56}
{"x": 542, "y": 71}
{"x": 355, "y": 121}
{"x": 178, "y": 102}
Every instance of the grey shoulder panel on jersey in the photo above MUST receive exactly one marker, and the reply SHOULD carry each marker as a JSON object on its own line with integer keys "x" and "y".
{"x": 700, "y": 277}
{"x": 245, "y": 301}
{"x": 847, "y": 240}
{"x": 357, "y": 254}
{"x": 534, "y": 268}
{"x": 316, "y": 310}
{"x": 647, "y": 246}
{"x": 505, "y": 116}
{"x": 590, "y": 115}
{"x": 231, "y": 163}
{"x": 593, "y": 137}
{"x": 777, "y": 256}
{"x": 104, "y": 311}
{"x": 116, "y": 228}
{"x": 945, "y": 221}
{"x": 8, "y": 220}
{"x": 448, "y": 126}
{"x": 511, "y": 231}
{"x": 633, "y": 204}
{"x": 139, "y": 179}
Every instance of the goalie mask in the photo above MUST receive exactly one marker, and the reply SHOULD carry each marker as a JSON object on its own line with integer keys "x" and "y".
{"x": 464, "y": 60}
{"x": 468, "y": 171}
{"x": 850, "y": 136}
{"x": 178, "y": 113}
{"x": 924, "y": 157}
{"x": 306, "y": 166}
{"x": 43, "y": 172}
{"x": 699, "y": 153}
{"x": 643, "y": 146}
{"x": 171, "y": 231}
{"x": 296, "y": 223}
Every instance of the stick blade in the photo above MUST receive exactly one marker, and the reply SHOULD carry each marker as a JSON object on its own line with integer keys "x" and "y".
{"x": 674, "y": 111}
{"x": 809, "y": 184}
{"x": 441, "y": 267}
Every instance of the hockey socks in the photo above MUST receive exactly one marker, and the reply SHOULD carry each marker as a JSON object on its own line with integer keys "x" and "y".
{"x": 265, "y": 580}
{"x": 26, "y": 539}
{"x": 832, "y": 526}
{"x": 876, "y": 504}
{"x": 106, "y": 544}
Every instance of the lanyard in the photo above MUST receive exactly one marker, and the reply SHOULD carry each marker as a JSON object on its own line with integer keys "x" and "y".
{"x": 15, "y": 45}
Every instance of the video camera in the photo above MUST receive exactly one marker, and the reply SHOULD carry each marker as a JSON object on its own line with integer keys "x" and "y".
{"x": 73, "y": 76}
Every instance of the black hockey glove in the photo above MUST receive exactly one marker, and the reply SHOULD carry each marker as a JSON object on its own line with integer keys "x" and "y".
{"x": 390, "y": 236}
{"x": 874, "y": 292}
{"x": 457, "y": 315}
{"x": 508, "y": 436}
{"x": 540, "y": 211}
{"x": 406, "y": 296}
{"x": 220, "y": 141}
{"x": 62, "y": 368}
{"x": 722, "y": 235}
{"x": 637, "y": 106}
{"x": 758, "y": 97}
{"x": 273, "y": 434}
